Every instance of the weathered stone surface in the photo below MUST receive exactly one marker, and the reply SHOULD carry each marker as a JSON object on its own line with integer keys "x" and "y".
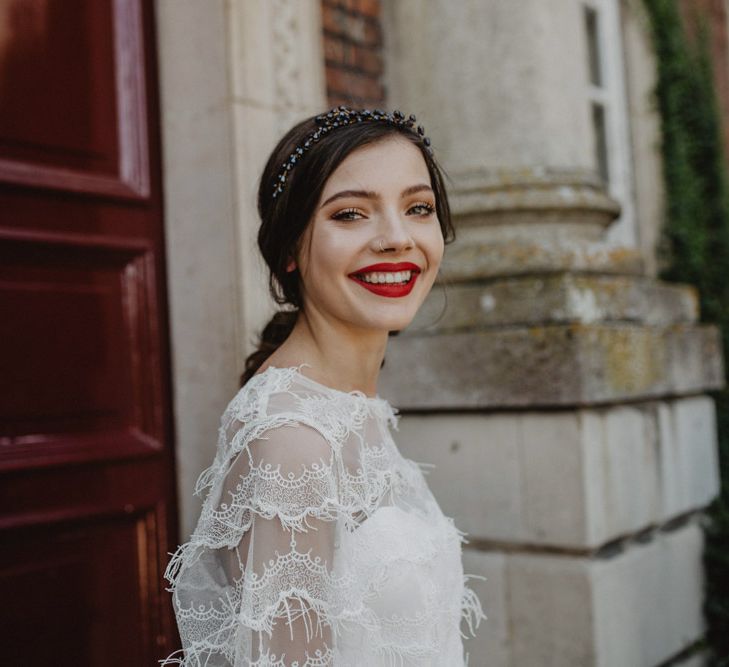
{"x": 485, "y": 128}
{"x": 468, "y": 260}
{"x": 551, "y": 611}
{"x": 491, "y": 644}
{"x": 517, "y": 204}
{"x": 554, "y": 299}
{"x": 477, "y": 477}
{"x": 621, "y": 456}
{"x": 550, "y": 366}
{"x": 638, "y": 608}
{"x": 689, "y": 454}
{"x": 568, "y": 479}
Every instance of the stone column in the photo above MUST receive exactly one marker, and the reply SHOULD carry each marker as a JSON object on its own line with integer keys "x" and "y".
{"x": 558, "y": 388}
{"x": 234, "y": 75}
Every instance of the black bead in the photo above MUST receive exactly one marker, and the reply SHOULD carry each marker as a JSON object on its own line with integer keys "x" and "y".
{"x": 426, "y": 141}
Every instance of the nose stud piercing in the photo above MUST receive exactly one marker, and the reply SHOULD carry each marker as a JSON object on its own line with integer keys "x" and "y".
{"x": 381, "y": 248}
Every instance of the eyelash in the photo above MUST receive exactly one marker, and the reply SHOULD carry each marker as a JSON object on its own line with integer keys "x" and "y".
{"x": 429, "y": 210}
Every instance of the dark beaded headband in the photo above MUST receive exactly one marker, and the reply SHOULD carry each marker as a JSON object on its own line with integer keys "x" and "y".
{"x": 341, "y": 117}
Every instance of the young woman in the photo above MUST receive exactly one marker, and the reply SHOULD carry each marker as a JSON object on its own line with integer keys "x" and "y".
{"x": 318, "y": 543}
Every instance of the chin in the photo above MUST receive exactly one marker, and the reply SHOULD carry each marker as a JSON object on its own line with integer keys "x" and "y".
{"x": 393, "y": 324}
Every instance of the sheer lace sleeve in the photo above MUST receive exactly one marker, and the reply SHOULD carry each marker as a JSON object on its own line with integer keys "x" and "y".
{"x": 255, "y": 585}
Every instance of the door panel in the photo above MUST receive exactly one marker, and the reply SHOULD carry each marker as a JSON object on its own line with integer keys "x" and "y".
{"x": 87, "y": 506}
{"x": 72, "y": 81}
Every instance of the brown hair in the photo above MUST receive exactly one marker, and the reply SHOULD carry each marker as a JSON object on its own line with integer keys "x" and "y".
{"x": 285, "y": 218}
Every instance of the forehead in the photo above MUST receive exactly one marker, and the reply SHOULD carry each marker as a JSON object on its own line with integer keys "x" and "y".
{"x": 390, "y": 163}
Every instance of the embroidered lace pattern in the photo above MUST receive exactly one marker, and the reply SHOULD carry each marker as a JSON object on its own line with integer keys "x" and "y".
{"x": 318, "y": 544}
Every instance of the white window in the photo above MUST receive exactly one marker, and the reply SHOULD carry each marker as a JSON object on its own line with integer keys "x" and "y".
{"x": 608, "y": 110}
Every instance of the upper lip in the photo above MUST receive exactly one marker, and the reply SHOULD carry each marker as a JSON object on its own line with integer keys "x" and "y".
{"x": 388, "y": 266}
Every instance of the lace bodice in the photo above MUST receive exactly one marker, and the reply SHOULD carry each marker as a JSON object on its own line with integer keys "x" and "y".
{"x": 318, "y": 544}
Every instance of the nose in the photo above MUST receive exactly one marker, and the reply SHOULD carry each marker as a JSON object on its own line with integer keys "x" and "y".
{"x": 394, "y": 235}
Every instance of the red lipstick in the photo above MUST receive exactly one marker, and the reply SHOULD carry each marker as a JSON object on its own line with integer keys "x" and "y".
{"x": 388, "y": 289}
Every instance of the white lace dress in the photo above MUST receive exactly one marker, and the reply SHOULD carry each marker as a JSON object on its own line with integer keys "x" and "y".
{"x": 318, "y": 543}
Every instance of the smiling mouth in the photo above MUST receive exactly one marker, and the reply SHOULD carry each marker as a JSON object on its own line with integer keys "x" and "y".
{"x": 386, "y": 277}
{"x": 387, "y": 283}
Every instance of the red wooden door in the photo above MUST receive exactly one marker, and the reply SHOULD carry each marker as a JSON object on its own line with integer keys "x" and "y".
{"x": 87, "y": 509}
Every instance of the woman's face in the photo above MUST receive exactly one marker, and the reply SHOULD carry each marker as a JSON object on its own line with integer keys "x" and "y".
{"x": 378, "y": 197}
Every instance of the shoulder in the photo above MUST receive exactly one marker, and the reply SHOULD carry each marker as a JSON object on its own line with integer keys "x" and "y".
{"x": 286, "y": 393}
{"x": 277, "y": 400}
{"x": 272, "y": 422}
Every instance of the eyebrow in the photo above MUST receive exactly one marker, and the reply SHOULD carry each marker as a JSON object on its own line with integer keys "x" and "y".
{"x": 368, "y": 194}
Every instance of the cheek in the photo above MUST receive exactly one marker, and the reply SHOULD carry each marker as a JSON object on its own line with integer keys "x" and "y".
{"x": 328, "y": 253}
{"x": 434, "y": 246}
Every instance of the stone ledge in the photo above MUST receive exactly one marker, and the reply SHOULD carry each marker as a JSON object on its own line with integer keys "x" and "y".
{"x": 471, "y": 259}
{"x": 572, "y": 365}
{"x": 555, "y": 299}
{"x": 508, "y": 198}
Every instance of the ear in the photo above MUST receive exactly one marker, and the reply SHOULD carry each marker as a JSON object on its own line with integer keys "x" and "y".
{"x": 291, "y": 266}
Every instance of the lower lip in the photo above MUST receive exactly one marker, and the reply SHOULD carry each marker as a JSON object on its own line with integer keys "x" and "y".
{"x": 388, "y": 289}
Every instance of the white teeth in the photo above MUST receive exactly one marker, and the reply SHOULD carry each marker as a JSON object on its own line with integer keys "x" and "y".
{"x": 387, "y": 277}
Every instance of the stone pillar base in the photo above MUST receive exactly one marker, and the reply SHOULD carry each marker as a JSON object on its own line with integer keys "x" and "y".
{"x": 571, "y": 441}
{"x": 637, "y": 606}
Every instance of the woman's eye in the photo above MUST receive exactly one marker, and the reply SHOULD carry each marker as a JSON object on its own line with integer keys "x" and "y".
{"x": 423, "y": 208}
{"x": 346, "y": 214}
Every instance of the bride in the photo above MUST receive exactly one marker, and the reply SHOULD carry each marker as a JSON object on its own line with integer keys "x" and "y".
{"x": 318, "y": 542}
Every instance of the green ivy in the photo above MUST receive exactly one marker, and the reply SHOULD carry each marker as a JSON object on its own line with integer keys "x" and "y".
{"x": 695, "y": 245}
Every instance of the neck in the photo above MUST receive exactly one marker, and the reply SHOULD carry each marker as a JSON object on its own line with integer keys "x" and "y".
{"x": 340, "y": 357}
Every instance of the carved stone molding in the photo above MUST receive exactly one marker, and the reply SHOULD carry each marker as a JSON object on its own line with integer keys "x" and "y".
{"x": 533, "y": 196}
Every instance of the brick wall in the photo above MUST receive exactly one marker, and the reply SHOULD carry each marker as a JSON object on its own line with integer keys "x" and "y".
{"x": 353, "y": 52}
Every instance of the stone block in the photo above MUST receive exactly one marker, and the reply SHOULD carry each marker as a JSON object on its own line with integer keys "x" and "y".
{"x": 551, "y": 463}
{"x": 556, "y": 299}
{"x": 689, "y": 456}
{"x": 551, "y": 366}
{"x": 550, "y": 611}
{"x": 569, "y": 479}
{"x": 636, "y": 609}
{"x": 491, "y": 643}
{"x": 476, "y": 475}
{"x": 622, "y": 476}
